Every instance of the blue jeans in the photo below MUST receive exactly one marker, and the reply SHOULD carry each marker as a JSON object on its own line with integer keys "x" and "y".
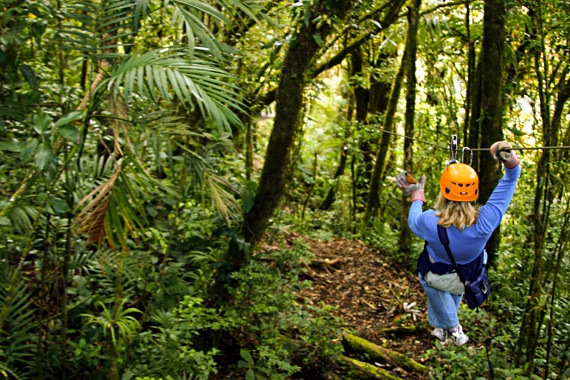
{"x": 442, "y": 307}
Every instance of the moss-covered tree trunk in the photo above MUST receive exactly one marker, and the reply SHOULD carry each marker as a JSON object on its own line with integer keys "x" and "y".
{"x": 374, "y": 192}
{"x": 381, "y": 354}
{"x": 297, "y": 65}
{"x": 413, "y": 21}
{"x": 362, "y": 99}
{"x": 488, "y": 109}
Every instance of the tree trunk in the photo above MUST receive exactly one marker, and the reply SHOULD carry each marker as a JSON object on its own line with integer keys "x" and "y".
{"x": 372, "y": 101}
{"x": 298, "y": 68}
{"x": 381, "y": 354}
{"x": 413, "y": 21}
{"x": 297, "y": 65}
{"x": 331, "y": 195}
{"x": 490, "y": 114}
{"x": 358, "y": 370}
{"x": 373, "y": 202}
{"x": 289, "y": 106}
{"x": 378, "y": 172}
{"x": 561, "y": 247}
{"x": 249, "y": 131}
{"x": 362, "y": 99}
{"x": 471, "y": 76}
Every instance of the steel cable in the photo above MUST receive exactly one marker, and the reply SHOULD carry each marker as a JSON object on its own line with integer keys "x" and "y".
{"x": 475, "y": 149}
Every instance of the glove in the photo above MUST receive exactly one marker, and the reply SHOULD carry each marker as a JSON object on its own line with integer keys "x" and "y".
{"x": 411, "y": 187}
{"x": 499, "y": 151}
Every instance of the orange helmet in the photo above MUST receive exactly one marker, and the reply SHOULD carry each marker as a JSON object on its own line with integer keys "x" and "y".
{"x": 459, "y": 182}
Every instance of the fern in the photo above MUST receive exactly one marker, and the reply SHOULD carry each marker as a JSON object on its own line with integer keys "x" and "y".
{"x": 97, "y": 29}
{"x": 195, "y": 83}
{"x": 78, "y": 32}
{"x": 22, "y": 219}
{"x": 17, "y": 321}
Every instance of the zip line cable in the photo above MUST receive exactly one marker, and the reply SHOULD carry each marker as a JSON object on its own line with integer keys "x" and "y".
{"x": 562, "y": 147}
{"x": 527, "y": 148}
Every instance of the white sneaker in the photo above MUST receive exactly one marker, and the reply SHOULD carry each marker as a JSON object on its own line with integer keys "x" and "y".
{"x": 457, "y": 336}
{"x": 440, "y": 334}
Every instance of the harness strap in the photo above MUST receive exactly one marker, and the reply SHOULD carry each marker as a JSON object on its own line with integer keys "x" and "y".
{"x": 442, "y": 233}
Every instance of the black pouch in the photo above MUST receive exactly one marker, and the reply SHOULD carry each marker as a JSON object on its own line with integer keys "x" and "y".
{"x": 478, "y": 290}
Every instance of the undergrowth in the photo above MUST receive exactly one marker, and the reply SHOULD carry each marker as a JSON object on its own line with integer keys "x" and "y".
{"x": 266, "y": 331}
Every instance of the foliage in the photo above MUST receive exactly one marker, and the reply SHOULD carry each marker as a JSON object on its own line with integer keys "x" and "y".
{"x": 187, "y": 341}
{"x": 170, "y": 346}
{"x": 283, "y": 331}
{"x": 490, "y": 360}
{"x": 124, "y": 182}
{"x": 118, "y": 324}
{"x": 17, "y": 338}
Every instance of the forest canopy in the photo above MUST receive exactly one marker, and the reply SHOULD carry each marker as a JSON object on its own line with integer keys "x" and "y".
{"x": 151, "y": 151}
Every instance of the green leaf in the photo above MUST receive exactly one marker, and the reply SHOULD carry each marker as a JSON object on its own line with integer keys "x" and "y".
{"x": 197, "y": 83}
{"x": 30, "y": 76}
{"x": 41, "y": 121}
{"x": 250, "y": 375}
{"x": 516, "y": 132}
{"x": 29, "y": 149}
{"x": 5, "y": 221}
{"x": 69, "y": 118}
{"x": 11, "y": 146}
{"x": 246, "y": 356}
{"x": 69, "y": 132}
{"x": 318, "y": 39}
{"x": 58, "y": 205}
{"x": 43, "y": 156}
{"x": 20, "y": 220}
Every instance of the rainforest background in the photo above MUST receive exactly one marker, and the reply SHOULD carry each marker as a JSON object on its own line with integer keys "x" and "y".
{"x": 166, "y": 166}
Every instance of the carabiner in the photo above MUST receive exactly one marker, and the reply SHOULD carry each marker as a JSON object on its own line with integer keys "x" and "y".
{"x": 463, "y": 155}
{"x": 453, "y": 149}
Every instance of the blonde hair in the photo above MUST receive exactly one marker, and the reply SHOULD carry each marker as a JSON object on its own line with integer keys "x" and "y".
{"x": 455, "y": 213}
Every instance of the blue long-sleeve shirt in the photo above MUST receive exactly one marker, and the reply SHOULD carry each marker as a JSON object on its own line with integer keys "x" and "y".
{"x": 468, "y": 244}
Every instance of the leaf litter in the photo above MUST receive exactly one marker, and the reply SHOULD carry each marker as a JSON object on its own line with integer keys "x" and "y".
{"x": 376, "y": 298}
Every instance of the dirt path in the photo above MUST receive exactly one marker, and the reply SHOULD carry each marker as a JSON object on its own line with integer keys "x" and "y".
{"x": 377, "y": 299}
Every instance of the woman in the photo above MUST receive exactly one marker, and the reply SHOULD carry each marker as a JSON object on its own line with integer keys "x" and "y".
{"x": 468, "y": 227}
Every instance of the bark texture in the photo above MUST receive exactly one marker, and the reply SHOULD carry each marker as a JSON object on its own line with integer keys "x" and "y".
{"x": 381, "y": 354}
{"x": 298, "y": 63}
{"x": 487, "y": 101}
{"x": 413, "y": 22}
{"x": 359, "y": 370}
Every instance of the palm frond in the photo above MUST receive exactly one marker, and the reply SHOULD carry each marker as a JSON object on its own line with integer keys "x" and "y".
{"x": 87, "y": 171}
{"x": 191, "y": 13}
{"x": 16, "y": 317}
{"x": 22, "y": 218}
{"x": 113, "y": 211}
{"x": 101, "y": 269}
{"x": 222, "y": 196}
{"x": 117, "y": 321}
{"x": 101, "y": 27}
{"x": 225, "y": 14}
{"x": 250, "y": 9}
{"x": 141, "y": 9}
{"x": 195, "y": 83}
{"x": 79, "y": 28}
{"x": 221, "y": 191}
{"x": 91, "y": 219}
